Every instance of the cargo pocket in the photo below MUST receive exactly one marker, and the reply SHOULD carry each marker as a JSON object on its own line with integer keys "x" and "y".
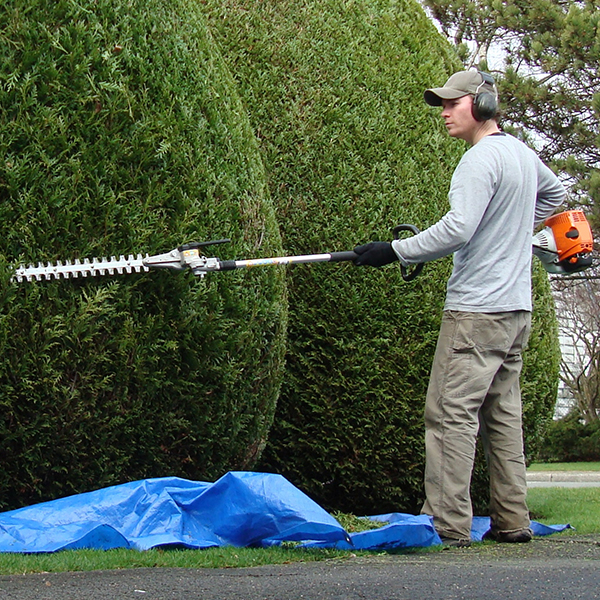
{"x": 461, "y": 359}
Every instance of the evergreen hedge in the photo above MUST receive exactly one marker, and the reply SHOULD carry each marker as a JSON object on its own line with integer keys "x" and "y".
{"x": 335, "y": 95}
{"x": 121, "y": 131}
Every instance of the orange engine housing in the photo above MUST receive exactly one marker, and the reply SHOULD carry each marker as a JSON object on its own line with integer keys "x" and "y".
{"x": 572, "y": 234}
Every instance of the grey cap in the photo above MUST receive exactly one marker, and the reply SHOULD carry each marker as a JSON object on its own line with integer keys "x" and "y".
{"x": 460, "y": 84}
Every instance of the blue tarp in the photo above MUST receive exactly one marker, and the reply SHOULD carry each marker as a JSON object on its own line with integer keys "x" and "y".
{"x": 398, "y": 530}
{"x": 240, "y": 509}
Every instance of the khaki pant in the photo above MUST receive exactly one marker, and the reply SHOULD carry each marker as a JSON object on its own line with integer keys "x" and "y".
{"x": 474, "y": 387}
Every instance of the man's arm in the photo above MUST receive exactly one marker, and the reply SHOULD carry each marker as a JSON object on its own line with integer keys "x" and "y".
{"x": 551, "y": 194}
{"x": 471, "y": 188}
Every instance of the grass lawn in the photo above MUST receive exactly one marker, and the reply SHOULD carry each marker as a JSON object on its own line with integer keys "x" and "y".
{"x": 582, "y": 466}
{"x": 93, "y": 560}
{"x": 578, "y": 507}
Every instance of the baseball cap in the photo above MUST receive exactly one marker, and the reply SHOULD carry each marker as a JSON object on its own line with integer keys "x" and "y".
{"x": 459, "y": 85}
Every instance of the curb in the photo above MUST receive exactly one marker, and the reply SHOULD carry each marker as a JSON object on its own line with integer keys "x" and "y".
{"x": 593, "y": 476}
{"x": 563, "y": 478}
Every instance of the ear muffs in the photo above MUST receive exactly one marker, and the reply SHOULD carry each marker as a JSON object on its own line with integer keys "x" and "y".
{"x": 485, "y": 103}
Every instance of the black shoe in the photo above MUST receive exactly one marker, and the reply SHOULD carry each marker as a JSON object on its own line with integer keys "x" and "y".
{"x": 455, "y": 542}
{"x": 510, "y": 537}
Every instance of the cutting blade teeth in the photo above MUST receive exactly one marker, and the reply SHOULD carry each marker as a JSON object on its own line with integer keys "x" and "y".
{"x": 85, "y": 268}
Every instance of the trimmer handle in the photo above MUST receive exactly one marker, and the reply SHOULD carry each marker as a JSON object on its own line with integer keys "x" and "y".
{"x": 416, "y": 271}
{"x": 342, "y": 256}
{"x": 194, "y": 245}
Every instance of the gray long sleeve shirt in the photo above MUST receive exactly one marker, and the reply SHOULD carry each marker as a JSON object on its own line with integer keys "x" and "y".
{"x": 499, "y": 192}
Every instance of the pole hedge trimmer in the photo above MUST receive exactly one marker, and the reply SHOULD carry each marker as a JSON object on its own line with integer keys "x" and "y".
{"x": 184, "y": 257}
{"x": 563, "y": 247}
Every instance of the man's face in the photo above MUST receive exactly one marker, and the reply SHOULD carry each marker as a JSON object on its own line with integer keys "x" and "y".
{"x": 459, "y": 119}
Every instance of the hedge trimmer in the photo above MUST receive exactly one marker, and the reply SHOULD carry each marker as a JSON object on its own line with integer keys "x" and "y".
{"x": 563, "y": 247}
{"x": 184, "y": 257}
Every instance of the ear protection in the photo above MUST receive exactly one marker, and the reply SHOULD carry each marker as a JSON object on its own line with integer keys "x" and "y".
{"x": 485, "y": 103}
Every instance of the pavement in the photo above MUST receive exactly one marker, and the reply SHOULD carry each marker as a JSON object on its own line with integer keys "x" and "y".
{"x": 563, "y": 566}
{"x": 558, "y": 567}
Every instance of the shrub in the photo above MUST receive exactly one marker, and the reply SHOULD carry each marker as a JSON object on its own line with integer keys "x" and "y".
{"x": 571, "y": 440}
{"x": 335, "y": 94}
{"x": 121, "y": 131}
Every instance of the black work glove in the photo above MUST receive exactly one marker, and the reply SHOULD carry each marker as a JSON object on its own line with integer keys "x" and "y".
{"x": 375, "y": 254}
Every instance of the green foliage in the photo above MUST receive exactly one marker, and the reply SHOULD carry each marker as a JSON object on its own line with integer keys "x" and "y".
{"x": 121, "y": 131}
{"x": 334, "y": 91}
{"x": 354, "y": 524}
{"x": 571, "y": 440}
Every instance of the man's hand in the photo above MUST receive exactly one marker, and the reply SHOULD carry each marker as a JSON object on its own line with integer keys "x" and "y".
{"x": 375, "y": 254}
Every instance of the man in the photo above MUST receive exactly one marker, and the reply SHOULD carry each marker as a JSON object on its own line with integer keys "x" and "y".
{"x": 499, "y": 192}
